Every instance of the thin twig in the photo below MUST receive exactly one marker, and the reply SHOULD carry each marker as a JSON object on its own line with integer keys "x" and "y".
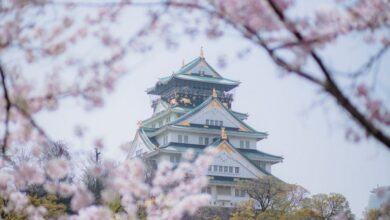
{"x": 365, "y": 68}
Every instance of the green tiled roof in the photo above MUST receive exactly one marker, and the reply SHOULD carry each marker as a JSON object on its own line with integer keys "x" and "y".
{"x": 240, "y": 115}
{"x": 187, "y": 73}
{"x": 207, "y": 79}
{"x": 247, "y": 153}
{"x": 205, "y": 103}
{"x": 257, "y": 153}
{"x": 186, "y": 69}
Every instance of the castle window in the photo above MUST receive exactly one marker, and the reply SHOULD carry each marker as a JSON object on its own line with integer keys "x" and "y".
{"x": 206, "y": 141}
{"x": 241, "y": 144}
{"x": 215, "y": 167}
{"x": 174, "y": 158}
{"x": 160, "y": 124}
{"x": 239, "y": 193}
{"x": 165, "y": 139}
{"x": 186, "y": 139}
{"x": 201, "y": 140}
{"x": 220, "y": 169}
{"x": 180, "y": 138}
{"x": 206, "y": 190}
{"x": 225, "y": 169}
{"x": 223, "y": 190}
{"x": 168, "y": 119}
{"x": 237, "y": 169}
{"x": 221, "y": 123}
{"x": 207, "y": 122}
{"x": 247, "y": 144}
{"x": 230, "y": 169}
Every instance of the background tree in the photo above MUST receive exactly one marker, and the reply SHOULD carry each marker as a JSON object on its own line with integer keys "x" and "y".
{"x": 273, "y": 194}
{"x": 328, "y": 206}
{"x": 94, "y": 175}
{"x": 211, "y": 213}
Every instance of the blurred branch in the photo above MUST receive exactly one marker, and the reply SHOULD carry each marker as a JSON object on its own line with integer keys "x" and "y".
{"x": 7, "y": 112}
{"x": 32, "y": 122}
{"x": 331, "y": 86}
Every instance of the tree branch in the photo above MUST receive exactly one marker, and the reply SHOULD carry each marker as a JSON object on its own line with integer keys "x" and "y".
{"x": 332, "y": 88}
{"x": 32, "y": 122}
{"x": 7, "y": 112}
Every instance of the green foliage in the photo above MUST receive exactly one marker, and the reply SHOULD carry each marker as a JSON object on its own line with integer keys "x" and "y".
{"x": 289, "y": 202}
{"x": 54, "y": 208}
{"x": 116, "y": 206}
{"x": 9, "y": 216}
{"x": 50, "y": 202}
{"x": 245, "y": 212}
{"x": 211, "y": 213}
{"x": 272, "y": 194}
{"x": 304, "y": 214}
{"x": 329, "y": 205}
{"x": 382, "y": 214}
{"x": 373, "y": 214}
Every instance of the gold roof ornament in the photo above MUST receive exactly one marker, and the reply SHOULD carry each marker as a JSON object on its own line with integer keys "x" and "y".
{"x": 173, "y": 102}
{"x": 224, "y": 147}
{"x": 185, "y": 123}
{"x": 201, "y": 52}
{"x": 214, "y": 94}
{"x": 223, "y": 134}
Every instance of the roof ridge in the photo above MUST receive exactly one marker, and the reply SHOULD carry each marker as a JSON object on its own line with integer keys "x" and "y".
{"x": 183, "y": 70}
{"x": 190, "y": 64}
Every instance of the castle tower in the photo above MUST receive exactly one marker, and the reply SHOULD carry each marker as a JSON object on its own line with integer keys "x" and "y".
{"x": 192, "y": 109}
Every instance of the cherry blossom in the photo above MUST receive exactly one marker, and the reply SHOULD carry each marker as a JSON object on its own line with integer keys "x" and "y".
{"x": 57, "y": 168}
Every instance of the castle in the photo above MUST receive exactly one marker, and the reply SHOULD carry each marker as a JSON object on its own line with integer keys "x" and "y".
{"x": 192, "y": 109}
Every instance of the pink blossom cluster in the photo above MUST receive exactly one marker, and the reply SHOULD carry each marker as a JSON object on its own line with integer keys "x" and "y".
{"x": 376, "y": 110}
{"x": 172, "y": 193}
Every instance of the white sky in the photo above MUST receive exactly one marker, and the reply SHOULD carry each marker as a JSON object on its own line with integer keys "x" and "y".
{"x": 311, "y": 139}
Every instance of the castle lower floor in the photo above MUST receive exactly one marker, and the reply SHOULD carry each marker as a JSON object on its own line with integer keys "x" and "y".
{"x": 226, "y": 194}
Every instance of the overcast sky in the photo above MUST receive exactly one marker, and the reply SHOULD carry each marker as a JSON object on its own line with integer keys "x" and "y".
{"x": 305, "y": 128}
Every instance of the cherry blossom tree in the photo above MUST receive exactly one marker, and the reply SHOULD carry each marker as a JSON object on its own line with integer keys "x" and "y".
{"x": 172, "y": 193}
{"x": 54, "y": 50}
{"x": 295, "y": 43}
{"x": 45, "y": 38}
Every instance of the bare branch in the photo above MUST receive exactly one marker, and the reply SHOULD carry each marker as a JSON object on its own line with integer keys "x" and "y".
{"x": 7, "y": 112}
{"x": 332, "y": 88}
{"x": 32, "y": 122}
